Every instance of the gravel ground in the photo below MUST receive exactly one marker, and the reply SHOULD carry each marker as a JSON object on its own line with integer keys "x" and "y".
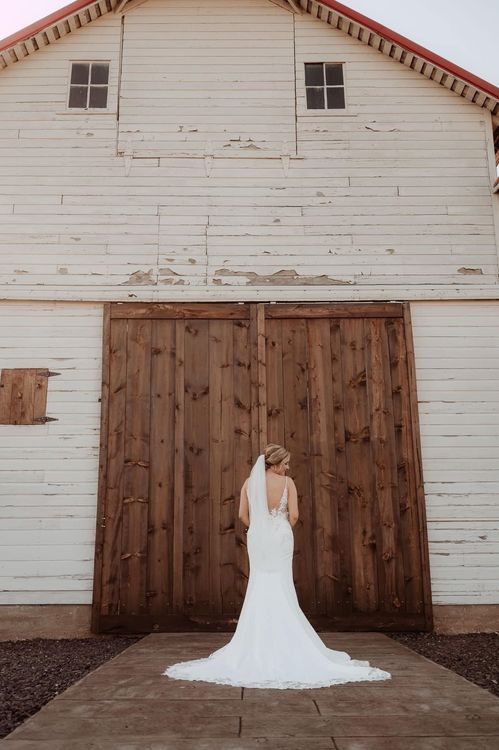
{"x": 474, "y": 656}
{"x": 35, "y": 671}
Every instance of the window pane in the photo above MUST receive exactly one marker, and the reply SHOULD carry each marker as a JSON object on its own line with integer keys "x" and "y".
{"x": 100, "y": 73}
{"x": 336, "y": 98}
{"x": 334, "y": 74}
{"x": 314, "y": 74}
{"x": 98, "y": 96}
{"x": 78, "y": 96}
{"x": 315, "y": 98}
{"x": 79, "y": 72}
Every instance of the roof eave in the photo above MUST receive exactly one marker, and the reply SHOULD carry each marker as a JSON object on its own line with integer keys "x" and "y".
{"x": 81, "y": 12}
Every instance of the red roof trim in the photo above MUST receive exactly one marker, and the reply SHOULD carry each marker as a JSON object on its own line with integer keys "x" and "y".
{"x": 377, "y": 28}
{"x": 42, "y": 23}
{"x": 417, "y": 49}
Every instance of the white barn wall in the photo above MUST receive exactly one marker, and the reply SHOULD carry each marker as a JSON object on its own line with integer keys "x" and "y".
{"x": 457, "y": 368}
{"x": 392, "y": 195}
{"x": 48, "y": 473}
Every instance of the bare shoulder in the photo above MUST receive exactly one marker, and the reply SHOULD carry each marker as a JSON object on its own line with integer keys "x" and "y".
{"x": 291, "y": 482}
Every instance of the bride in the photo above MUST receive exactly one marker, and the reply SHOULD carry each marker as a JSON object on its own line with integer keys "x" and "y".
{"x": 274, "y": 645}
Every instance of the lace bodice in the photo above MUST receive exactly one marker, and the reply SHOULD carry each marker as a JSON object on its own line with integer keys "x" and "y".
{"x": 280, "y": 511}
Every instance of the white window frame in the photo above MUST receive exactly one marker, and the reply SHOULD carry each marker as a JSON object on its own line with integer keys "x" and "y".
{"x": 96, "y": 110}
{"x": 302, "y": 109}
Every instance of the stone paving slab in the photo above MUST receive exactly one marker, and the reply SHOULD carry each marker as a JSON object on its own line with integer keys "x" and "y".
{"x": 128, "y": 704}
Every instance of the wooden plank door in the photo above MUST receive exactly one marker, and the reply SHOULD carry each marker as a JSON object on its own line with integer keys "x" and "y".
{"x": 179, "y": 426}
{"x": 191, "y": 394}
{"x": 340, "y": 396}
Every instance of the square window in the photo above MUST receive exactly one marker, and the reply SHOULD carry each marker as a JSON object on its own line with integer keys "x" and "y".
{"x": 334, "y": 74}
{"x": 98, "y": 96}
{"x": 314, "y": 74}
{"x": 325, "y": 86}
{"x": 79, "y": 73}
{"x": 89, "y": 85}
{"x": 335, "y": 97}
{"x": 315, "y": 97}
{"x": 100, "y": 73}
{"x": 78, "y": 96}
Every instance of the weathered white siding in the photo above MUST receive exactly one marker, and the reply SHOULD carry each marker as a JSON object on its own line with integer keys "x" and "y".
{"x": 48, "y": 473}
{"x": 217, "y": 74}
{"x": 457, "y": 367}
{"x": 390, "y": 200}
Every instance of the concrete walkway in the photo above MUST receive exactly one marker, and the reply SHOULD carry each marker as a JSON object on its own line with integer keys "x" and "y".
{"x": 127, "y": 704}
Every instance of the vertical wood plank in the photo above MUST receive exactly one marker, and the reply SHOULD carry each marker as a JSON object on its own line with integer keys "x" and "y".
{"x": 136, "y": 469}
{"x": 197, "y": 499}
{"x": 358, "y": 452}
{"x": 343, "y": 604}
{"x": 221, "y": 397}
{"x": 418, "y": 466}
{"x": 262, "y": 379}
{"x": 179, "y": 469}
{"x": 322, "y": 464}
{"x": 409, "y": 521}
{"x": 255, "y": 390}
{"x": 28, "y": 396}
{"x": 113, "y": 478}
{"x": 40, "y": 393}
{"x": 385, "y": 499}
{"x": 229, "y": 494}
{"x": 296, "y": 433}
{"x": 162, "y": 457}
{"x": 242, "y": 449}
{"x": 22, "y": 392}
{"x": 275, "y": 394}
{"x": 216, "y": 448}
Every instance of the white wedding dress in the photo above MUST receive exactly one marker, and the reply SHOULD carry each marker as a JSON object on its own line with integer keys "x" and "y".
{"x": 274, "y": 645}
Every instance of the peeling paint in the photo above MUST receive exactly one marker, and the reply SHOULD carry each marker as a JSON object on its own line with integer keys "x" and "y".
{"x": 20, "y": 270}
{"x": 140, "y": 277}
{"x": 63, "y": 269}
{"x": 380, "y": 128}
{"x": 285, "y": 277}
{"x": 253, "y": 146}
{"x": 476, "y": 271}
{"x": 172, "y": 282}
{"x": 168, "y": 272}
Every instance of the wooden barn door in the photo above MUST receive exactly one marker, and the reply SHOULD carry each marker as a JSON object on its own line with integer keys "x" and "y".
{"x": 179, "y": 434}
{"x": 340, "y": 395}
{"x": 191, "y": 395}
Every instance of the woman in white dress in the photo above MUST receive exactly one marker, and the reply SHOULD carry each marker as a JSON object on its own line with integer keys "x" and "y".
{"x": 274, "y": 645}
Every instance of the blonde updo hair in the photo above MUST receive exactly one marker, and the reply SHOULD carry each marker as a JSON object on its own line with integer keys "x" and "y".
{"x": 274, "y": 454}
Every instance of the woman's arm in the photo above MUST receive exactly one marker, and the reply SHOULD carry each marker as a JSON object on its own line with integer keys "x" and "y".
{"x": 292, "y": 502}
{"x": 243, "y": 505}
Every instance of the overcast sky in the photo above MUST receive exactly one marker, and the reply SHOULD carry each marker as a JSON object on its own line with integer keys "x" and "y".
{"x": 462, "y": 31}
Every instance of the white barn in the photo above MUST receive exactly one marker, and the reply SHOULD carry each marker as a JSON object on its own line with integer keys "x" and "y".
{"x": 195, "y": 197}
